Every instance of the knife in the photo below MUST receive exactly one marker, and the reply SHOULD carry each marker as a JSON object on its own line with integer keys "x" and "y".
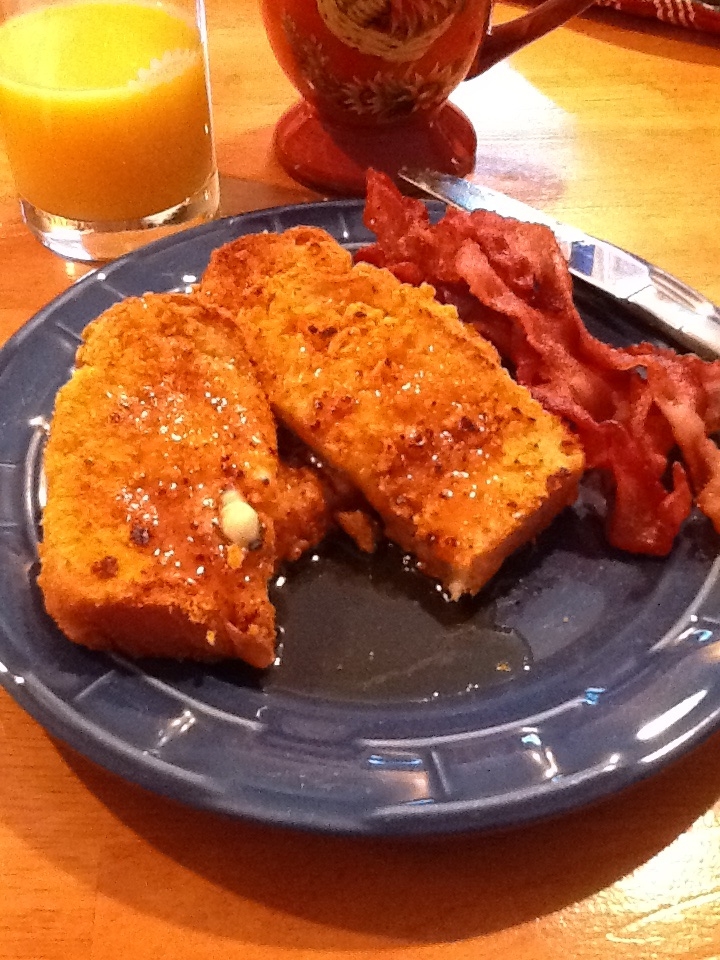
{"x": 659, "y": 299}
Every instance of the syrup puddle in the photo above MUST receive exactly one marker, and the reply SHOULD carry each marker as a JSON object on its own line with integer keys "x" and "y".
{"x": 355, "y": 627}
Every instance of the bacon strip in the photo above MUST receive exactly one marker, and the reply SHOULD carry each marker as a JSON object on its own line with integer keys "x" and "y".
{"x": 643, "y": 414}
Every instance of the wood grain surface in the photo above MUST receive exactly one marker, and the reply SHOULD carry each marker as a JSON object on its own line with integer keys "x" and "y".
{"x": 610, "y": 124}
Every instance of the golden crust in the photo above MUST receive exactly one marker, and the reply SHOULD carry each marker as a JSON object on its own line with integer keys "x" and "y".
{"x": 317, "y": 498}
{"x": 303, "y": 510}
{"x": 162, "y": 414}
{"x": 388, "y": 386}
{"x": 238, "y": 272}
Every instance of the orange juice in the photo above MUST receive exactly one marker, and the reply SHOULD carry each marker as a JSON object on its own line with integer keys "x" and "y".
{"x": 104, "y": 106}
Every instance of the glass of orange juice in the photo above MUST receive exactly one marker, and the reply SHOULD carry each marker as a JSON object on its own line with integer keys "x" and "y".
{"x": 105, "y": 108}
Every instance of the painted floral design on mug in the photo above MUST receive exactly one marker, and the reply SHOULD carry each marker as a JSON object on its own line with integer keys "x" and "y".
{"x": 395, "y": 30}
{"x": 384, "y": 97}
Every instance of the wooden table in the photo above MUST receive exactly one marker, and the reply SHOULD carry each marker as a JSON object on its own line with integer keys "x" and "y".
{"x": 611, "y": 124}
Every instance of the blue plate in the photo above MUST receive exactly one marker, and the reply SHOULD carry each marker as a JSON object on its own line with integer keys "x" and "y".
{"x": 577, "y": 671}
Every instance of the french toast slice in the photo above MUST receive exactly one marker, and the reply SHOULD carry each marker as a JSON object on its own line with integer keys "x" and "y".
{"x": 162, "y": 417}
{"x": 388, "y": 386}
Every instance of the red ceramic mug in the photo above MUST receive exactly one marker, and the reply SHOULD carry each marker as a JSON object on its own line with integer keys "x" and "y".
{"x": 375, "y": 76}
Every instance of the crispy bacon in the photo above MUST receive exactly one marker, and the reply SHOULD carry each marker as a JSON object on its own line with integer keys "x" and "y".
{"x": 644, "y": 414}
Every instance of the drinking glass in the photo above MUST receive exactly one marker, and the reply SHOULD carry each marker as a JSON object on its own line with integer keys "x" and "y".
{"x": 105, "y": 108}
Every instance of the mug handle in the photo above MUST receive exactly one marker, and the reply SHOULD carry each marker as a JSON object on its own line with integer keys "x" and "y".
{"x": 507, "y": 38}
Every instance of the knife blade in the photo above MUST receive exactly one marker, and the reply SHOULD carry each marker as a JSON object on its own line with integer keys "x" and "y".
{"x": 655, "y": 296}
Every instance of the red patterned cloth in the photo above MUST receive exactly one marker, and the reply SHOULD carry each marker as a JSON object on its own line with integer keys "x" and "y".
{"x": 683, "y": 13}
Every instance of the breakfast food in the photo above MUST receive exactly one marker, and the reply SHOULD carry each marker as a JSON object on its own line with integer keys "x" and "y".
{"x": 162, "y": 475}
{"x": 388, "y": 386}
{"x": 313, "y": 499}
{"x": 633, "y": 409}
{"x": 173, "y": 495}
